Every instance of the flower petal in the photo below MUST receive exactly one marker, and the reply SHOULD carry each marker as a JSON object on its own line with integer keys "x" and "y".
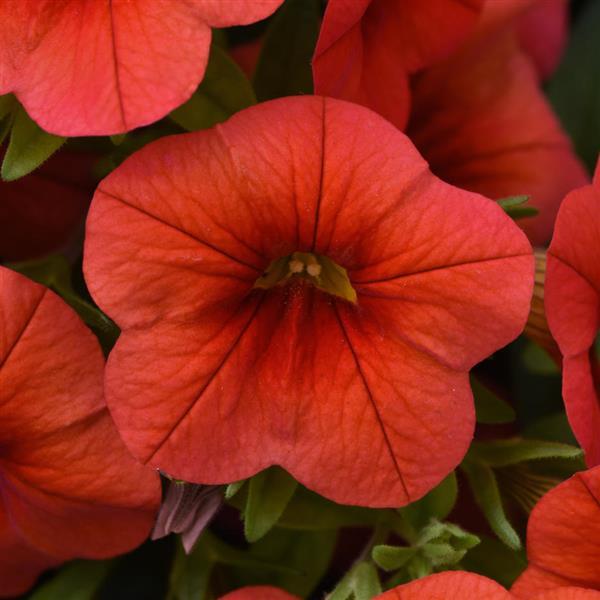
{"x": 483, "y": 124}
{"x": 368, "y": 48}
{"x": 131, "y": 64}
{"x": 563, "y": 537}
{"x": 572, "y": 303}
{"x": 67, "y": 482}
{"x": 259, "y": 592}
{"x": 20, "y": 564}
{"x": 450, "y": 585}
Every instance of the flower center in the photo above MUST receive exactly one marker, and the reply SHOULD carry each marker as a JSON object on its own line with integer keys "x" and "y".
{"x": 317, "y": 269}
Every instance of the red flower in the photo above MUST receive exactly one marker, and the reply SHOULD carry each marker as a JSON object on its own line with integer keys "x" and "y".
{"x": 480, "y": 119}
{"x": 68, "y": 487}
{"x": 367, "y": 49}
{"x": 563, "y": 538}
{"x": 39, "y": 213}
{"x": 461, "y": 585}
{"x": 572, "y": 301}
{"x": 260, "y": 592}
{"x": 91, "y": 67}
{"x": 495, "y": 135}
{"x": 232, "y": 358}
{"x": 542, "y": 32}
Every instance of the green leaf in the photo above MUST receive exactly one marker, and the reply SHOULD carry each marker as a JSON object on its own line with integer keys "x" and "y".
{"x": 501, "y": 453}
{"x": 360, "y": 583}
{"x": 223, "y": 91}
{"x": 487, "y": 495}
{"x": 7, "y": 104}
{"x": 538, "y": 361}
{"x": 233, "y": 488}
{"x": 190, "y": 573}
{"x": 54, "y": 272}
{"x": 309, "y": 511}
{"x": 391, "y": 558}
{"x": 515, "y": 207}
{"x": 118, "y": 139}
{"x": 493, "y": 559}
{"x": 28, "y": 148}
{"x": 268, "y": 494}
{"x": 306, "y": 555}
{"x": 436, "y": 504}
{"x": 490, "y": 409}
{"x": 284, "y": 67}
{"x": 78, "y": 581}
{"x": 574, "y": 91}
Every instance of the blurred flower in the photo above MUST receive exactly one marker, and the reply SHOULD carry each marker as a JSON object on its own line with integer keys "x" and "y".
{"x": 572, "y": 302}
{"x": 367, "y": 49}
{"x": 479, "y": 117}
{"x": 563, "y": 539}
{"x": 296, "y": 288}
{"x": 542, "y": 32}
{"x": 100, "y": 68}
{"x": 41, "y": 212}
{"x": 68, "y": 486}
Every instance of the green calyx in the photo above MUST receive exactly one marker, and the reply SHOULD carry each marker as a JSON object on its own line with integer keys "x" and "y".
{"x": 317, "y": 269}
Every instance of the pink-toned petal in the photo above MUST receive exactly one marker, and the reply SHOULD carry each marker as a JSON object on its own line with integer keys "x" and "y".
{"x": 542, "y": 32}
{"x": 241, "y": 12}
{"x": 100, "y": 68}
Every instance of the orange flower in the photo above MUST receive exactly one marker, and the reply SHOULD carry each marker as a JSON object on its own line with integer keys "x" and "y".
{"x": 572, "y": 302}
{"x": 296, "y": 288}
{"x": 68, "y": 487}
{"x": 100, "y": 67}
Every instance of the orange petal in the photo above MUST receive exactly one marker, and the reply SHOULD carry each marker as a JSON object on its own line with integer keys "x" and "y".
{"x": 100, "y": 68}
{"x": 450, "y": 585}
{"x": 572, "y": 302}
{"x": 563, "y": 537}
{"x": 259, "y": 592}
{"x": 67, "y": 483}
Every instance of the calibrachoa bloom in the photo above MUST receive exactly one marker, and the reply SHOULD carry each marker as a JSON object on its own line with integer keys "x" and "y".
{"x": 68, "y": 486}
{"x": 296, "y": 288}
{"x": 459, "y": 585}
{"x": 572, "y": 301}
{"x": 367, "y": 49}
{"x": 41, "y": 212}
{"x": 563, "y": 538}
{"x": 98, "y": 67}
{"x": 479, "y": 117}
{"x": 542, "y": 33}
